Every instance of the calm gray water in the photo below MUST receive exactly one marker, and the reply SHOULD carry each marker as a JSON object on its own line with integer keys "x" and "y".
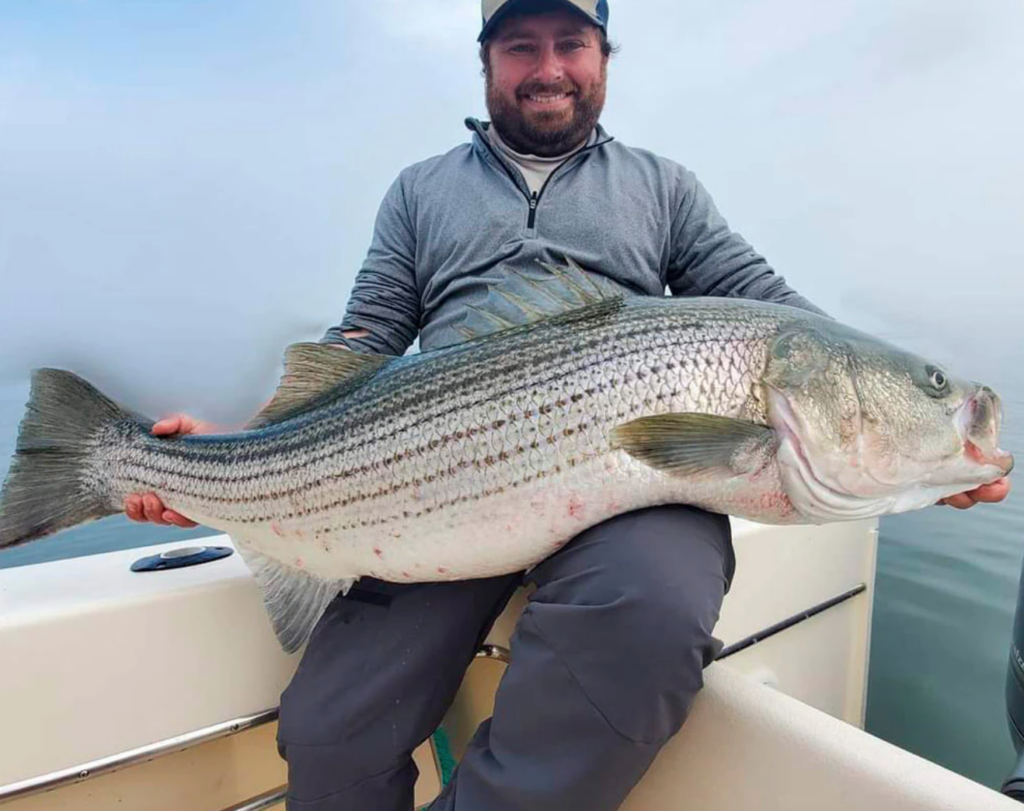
{"x": 943, "y": 615}
{"x": 946, "y": 592}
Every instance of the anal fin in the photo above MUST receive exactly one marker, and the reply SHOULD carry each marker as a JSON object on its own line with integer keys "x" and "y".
{"x": 294, "y": 600}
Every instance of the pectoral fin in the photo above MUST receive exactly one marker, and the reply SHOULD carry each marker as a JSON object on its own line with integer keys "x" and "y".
{"x": 697, "y": 444}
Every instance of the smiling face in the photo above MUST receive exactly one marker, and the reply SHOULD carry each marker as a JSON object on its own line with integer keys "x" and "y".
{"x": 546, "y": 77}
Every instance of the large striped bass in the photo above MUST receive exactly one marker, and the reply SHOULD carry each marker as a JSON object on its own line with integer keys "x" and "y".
{"x": 485, "y": 457}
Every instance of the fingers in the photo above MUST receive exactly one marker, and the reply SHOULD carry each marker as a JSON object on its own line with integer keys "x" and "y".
{"x": 961, "y": 501}
{"x": 987, "y": 493}
{"x": 153, "y": 508}
{"x": 133, "y": 507}
{"x": 145, "y": 507}
{"x": 170, "y": 425}
{"x": 993, "y": 492}
{"x": 179, "y": 520}
{"x": 181, "y": 424}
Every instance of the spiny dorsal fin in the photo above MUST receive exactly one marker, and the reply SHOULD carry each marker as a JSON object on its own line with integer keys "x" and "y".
{"x": 697, "y": 444}
{"x": 529, "y": 311}
{"x": 576, "y": 279}
{"x": 560, "y": 290}
{"x": 311, "y": 371}
{"x": 496, "y": 321}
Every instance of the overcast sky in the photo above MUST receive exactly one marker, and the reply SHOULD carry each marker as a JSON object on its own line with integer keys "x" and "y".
{"x": 187, "y": 187}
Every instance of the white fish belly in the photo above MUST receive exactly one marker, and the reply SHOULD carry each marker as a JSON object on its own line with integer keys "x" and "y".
{"x": 510, "y": 531}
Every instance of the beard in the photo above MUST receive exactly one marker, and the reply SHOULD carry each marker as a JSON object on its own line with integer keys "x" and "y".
{"x": 542, "y": 133}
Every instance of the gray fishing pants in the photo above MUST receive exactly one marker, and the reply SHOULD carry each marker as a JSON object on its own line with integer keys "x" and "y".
{"x": 605, "y": 663}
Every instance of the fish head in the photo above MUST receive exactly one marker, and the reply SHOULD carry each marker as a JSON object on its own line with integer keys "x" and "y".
{"x": 866, "y": 428}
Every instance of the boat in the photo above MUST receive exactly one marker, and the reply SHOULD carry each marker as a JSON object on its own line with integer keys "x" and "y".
{"x": 157, "y": 690}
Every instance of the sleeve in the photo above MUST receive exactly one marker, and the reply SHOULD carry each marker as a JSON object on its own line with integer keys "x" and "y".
{"x": 709, "y": 259}
{"x": 385, "y": 300}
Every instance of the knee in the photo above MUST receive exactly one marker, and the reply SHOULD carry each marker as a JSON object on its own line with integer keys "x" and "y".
{"x": 666, "y": 642}
{"x": 334, "y": 721}
{"x": 639, "y": 658}
{"x": 333, "y": 747}
{"x": 637, "y": 636}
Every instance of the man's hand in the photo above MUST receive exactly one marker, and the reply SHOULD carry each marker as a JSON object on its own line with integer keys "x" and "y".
{"x": 148, "y": 506}
{"x": 989, "y": 493}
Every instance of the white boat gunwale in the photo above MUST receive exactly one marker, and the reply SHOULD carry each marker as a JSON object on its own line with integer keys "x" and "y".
{"x": 123, "y": 760}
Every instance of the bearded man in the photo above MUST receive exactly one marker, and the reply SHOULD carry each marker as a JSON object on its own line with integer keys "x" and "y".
{"x": 609, "y": 653}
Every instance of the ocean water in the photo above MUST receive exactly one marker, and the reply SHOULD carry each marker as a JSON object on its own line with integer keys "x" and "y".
{"x": 943, "y": 617}
{"x": 946, "y": 593}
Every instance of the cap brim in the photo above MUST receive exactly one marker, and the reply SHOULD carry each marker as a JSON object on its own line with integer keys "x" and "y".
{"x": 506, "y": 9}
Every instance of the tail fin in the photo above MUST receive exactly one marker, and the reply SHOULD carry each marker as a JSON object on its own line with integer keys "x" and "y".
{"x": 51, "y": 485}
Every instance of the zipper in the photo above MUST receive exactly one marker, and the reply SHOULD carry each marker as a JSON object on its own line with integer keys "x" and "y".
{"x": 533, "y": 198}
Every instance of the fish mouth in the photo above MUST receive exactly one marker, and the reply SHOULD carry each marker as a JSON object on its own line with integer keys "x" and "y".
{"x": 979, "y": 421}
{"x": 1003, "y": 460}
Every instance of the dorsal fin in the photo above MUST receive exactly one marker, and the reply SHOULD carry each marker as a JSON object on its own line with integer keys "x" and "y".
{"x": 497, "y": 321}
{"x": 576, "y": 279}
{"x": 559, "y": 290}
{"x": 311, "y": 371}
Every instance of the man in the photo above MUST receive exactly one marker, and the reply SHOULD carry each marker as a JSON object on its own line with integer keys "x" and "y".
{"x": 610, "y": 651}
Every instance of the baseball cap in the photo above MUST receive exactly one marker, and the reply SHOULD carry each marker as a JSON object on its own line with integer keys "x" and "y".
{"x": 494, "y": 10}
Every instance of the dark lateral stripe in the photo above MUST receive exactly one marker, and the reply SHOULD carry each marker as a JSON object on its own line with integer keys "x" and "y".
{"x": 523, "y": 477}
{"x": 386, "y": 401}
{"x": 323, "y": 436}
{"x": 434, "y": 383}
{"x": 533, "y": 370}
{"x": 467, "y": 467}
{"x": 789, "y": 622}
{"x": 533, "y": 360}
{"x": 263, "y": 458}
{"x": 393, "y": 464}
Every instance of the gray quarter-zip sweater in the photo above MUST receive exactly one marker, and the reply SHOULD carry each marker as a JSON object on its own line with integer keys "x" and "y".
{"x": 452, "y": 227}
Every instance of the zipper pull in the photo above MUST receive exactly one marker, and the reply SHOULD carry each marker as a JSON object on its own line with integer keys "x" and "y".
{"x": 533, "y": 210}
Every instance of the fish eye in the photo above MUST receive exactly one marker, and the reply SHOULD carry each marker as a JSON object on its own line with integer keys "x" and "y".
{"x": 937, "y": 378}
